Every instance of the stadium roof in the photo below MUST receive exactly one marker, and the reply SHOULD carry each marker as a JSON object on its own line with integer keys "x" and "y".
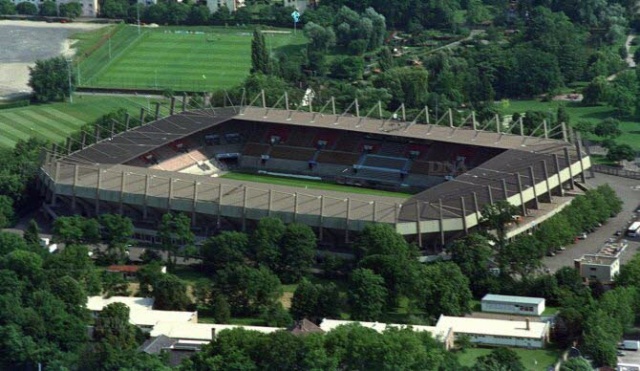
{"x": 136, "y": 142}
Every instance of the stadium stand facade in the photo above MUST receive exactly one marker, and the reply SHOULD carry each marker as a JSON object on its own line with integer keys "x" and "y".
{"x": 452, "y": 173}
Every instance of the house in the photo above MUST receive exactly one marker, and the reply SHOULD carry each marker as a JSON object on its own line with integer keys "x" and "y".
{"x": 127, "y": 271}
{"x": 206, "y": 332}
{"x": 175, "y": 350}
{"x": 493, "y": 332}
{"x": 512, "y": 304}
{"x": 442, "y": 333}
{"x": 305, "y": 327}
{"x": 232, "y": 5}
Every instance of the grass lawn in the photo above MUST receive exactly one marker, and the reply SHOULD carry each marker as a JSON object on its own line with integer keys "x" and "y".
{"x": 630, "y": 129}
{"x": 56, "y": 121}
{"x": 532, "y": 359}
{"x": 550, "y": 311}
{"x": 312, "y": 184}
{"x": 177, "y": 57}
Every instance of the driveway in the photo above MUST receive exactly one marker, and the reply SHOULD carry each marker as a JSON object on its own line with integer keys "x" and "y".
{"x": 631, "y": 198}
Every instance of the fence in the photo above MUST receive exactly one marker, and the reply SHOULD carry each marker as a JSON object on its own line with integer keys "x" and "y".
{"x": 616, "y": 171}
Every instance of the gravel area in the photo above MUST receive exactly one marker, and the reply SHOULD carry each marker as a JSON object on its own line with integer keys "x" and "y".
{"x": 24, "y": 42}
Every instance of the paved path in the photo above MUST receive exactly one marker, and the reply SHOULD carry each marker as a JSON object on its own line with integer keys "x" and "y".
{"x": 630, "y": 62}
{"x": 596, "y": 240}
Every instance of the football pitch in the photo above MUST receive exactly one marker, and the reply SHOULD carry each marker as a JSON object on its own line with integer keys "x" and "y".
{"x": 55, "y": 122}
{"x": 312, "y": 184}
{"x": 178, "y": 57}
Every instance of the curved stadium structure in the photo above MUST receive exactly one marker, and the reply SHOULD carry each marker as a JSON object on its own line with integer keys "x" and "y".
{"x": 446, "y": 173}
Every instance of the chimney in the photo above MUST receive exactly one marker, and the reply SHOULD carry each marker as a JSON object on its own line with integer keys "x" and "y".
{"x": 526, "y": 320}
{"x": 213, "y": 333}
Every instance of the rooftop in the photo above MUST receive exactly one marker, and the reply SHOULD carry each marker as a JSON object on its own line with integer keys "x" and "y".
{"x": 513, "y": 299}
{"x": 97, "y": 303}
{"x": 123, "y": 268}
{"x": 200, "y": 331}
{"x": 598, "y": 259}
{"x": 494, "y": 327}
{"x": 436, "y": 331}
{"x": 152, "y": 317}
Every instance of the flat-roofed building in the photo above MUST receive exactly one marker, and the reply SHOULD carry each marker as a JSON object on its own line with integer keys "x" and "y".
{"x": 200, "y": 331}
{"x": 443, "y": 334}
{"x": 513, "y": 304}
{"x": 146, "y": 320}
{"x": 596, "y": 267}
{"x": 525, "y": 333}
{"x": 96, "y": 303}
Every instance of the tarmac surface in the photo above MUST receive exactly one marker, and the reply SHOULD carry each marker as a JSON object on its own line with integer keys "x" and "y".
{"x": 629, "y": 191}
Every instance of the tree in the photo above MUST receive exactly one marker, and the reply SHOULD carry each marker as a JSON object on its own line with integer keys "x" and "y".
{"x": 48, "y": 8}
{"x": 367, "y": 295}
{"x": 381, "y": 239}
{"x": 596, "y": 91}
{"x": 298, "y": 249}
{"x": 26, "y": 8}
{"x": 259, "y": 53}
{"x": 276, "y": 316}
{"x": 608, "y": 128}
{"x": 443, "y": 289}
{"x": 266, "y": 240}
{"x": 147, "y": 276}
{"x": 523, "y": 255}
{"x": 32, "y": 233}
{"x": 198, "y": 15}
{"x": 220, "y": 310}
{"x": 6, "y": 212}
{"x": 472, "y": 254}
{"x": 315, "y": 301}
{"x": 500, "y": 359}
{"x": 170, "y": 293}
{"x": 70, "y": 10}
{"x": 621, "y": 152}
{"x": 248, "y": 290}
{"x": 75, "y": 262}
{"x": 173, "y": 231}
{"x": 72, "y": 294}
{"x": 496, "y": 217}
{"x": 347, "y": 68}
{"x": 7, "y": 7}
{"x": 118, "y": 230}
{"x": 225, "y": 249}
{"x": 576, "y": 364}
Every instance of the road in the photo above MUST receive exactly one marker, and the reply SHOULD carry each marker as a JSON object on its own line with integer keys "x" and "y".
{"x": 595, "y": 240}
{"x": 630, "y": 61}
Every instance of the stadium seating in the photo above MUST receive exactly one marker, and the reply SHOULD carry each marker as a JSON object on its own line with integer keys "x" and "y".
{"x": 175, "y": 163}
{"x": 378, "y": 176}
{"x": 394, "y": 163}
{"x": 393, "y": 149}
{"x": 329, "y": 136}
{"x": 420, "y": 167}
{"x": 302, "y": 137}
{"x": 256, "y": 149}
{"x": 348, "y": 143}
{"x": 337, "y": 157}
{"x": 292, "y": 153}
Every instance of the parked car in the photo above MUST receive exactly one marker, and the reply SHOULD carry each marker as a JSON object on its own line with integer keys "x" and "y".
{"x": 582, "y": 236}
{"x": 621, "y": 353}
{"x": 618, "y": 233}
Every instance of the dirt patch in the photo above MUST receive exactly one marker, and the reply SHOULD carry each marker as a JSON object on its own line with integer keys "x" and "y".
{"x": 285, "y": 299}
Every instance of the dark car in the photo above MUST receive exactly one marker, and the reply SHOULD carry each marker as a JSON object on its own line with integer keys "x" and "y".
{"x": 618, "y": 233}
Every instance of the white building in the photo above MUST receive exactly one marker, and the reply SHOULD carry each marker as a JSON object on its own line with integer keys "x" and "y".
{"x": 141, "y": 312}
{"x": 525, "y": 333}
{"x": 200, "y": 331}
{"x": 513, "y": 304}
{"x": 90, "y": 8}
{"x": 602, "y": 266}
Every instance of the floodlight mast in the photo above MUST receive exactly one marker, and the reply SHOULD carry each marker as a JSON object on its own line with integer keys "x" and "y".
{"x": 138, "y": 16}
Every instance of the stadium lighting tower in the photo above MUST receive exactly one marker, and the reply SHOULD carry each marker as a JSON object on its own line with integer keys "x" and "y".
{"x": 138, "y": 16}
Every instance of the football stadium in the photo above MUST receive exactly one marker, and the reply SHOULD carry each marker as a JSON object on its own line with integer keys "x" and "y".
{"x": 438, "y": 175}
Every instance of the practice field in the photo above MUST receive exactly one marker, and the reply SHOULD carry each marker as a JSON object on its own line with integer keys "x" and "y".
{"x": 313, "y": 184}
{"x": 55, "y": 122}
{"x": 180, "y": 58}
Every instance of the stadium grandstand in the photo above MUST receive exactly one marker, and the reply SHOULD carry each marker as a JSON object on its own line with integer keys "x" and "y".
{"x": 444, "y": 173}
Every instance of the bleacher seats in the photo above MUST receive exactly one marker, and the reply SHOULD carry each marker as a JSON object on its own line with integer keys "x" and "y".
{"x": 302, "y": 137}
{"x": 337, "y": 157}
{"x": 255, "y": 149}
{"x": 420, "y": 167}
{"x": 292, "y": 153}
{"x": 395, "y": 163}
{"x": 330, "y": 137}
{"x": 392, "y": 149}
{"x": 348, "y": 143}
{"x": 377, "y": 176}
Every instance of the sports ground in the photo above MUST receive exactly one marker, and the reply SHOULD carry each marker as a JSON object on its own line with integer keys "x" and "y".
{"x": 56, "y": 121}
{"x": 179, "y": 58}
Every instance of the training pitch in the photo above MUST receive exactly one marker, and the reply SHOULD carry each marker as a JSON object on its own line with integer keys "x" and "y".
{"x": 178, "y": 58}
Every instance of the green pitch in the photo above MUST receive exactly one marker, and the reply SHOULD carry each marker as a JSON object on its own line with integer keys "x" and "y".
{"x": 54, "y": 122}
{"x": 312, "y": 184}
{"x": 178, "y": 57}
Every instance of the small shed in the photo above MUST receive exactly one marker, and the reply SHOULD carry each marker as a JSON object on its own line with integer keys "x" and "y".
{"x": 513, "y": 304}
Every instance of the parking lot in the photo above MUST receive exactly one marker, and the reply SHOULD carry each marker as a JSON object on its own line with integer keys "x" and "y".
{"x": 630, "y": 357}
{"x": 629, "y": 191}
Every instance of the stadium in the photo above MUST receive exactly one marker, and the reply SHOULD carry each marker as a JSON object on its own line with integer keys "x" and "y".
{"x": 438, "y": 175}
